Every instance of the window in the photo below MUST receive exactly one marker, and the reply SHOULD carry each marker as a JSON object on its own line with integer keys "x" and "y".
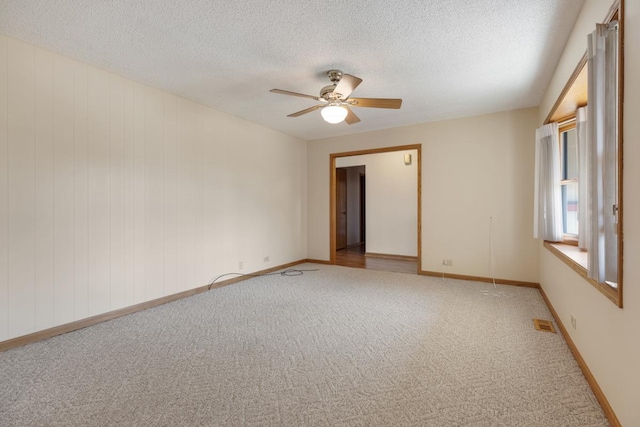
{"x": 590, "y": 206}
{"x": 569, "y": 181}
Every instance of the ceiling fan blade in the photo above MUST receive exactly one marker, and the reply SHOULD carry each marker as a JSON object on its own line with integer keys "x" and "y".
{"x": 308, "y": 110}
{"x": 301, "y": 95}
{"x": 375, "y": 102}
{"x": 351, "y": 116}
{"x": 346, "y": 85}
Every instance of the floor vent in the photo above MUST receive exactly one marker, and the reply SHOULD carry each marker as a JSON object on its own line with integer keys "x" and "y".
{"x": 544, "y": 325}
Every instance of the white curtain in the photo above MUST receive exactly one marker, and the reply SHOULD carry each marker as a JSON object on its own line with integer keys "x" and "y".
{"x": 547, "y": 205}
{"x": 602, "y": 137}
{"x": 583, "y": 179}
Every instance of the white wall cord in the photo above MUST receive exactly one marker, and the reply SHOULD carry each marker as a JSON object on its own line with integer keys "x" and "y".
{"x": 493, "y": 275}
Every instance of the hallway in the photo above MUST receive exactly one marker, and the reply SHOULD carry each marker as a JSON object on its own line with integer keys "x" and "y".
{"x": 354, "y": 257}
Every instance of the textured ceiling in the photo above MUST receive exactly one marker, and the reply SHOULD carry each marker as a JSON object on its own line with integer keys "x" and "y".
{"x": 445, "y": 59}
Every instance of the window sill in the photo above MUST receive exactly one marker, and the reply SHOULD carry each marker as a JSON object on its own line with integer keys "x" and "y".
{"x": 577, "y": 260}
{"x": 576, "y": 256}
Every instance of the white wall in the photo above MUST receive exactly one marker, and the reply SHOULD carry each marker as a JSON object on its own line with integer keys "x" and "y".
{"x": 391, "y": 201}
{"x": 113, "y": 193}
{"x": 472, "y": 168}
{"x": 606, "y": 336}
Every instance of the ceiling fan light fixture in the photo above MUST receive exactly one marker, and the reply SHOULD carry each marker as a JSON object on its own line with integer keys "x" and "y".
{"x": 335, "y": 101}
{"x": 334, "y": 114}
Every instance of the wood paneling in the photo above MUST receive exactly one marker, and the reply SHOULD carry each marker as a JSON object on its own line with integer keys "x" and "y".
{"x": 169, "y": 207}
{"x": 79, "y": 324}
{"x": 113, "y": 193}
{"x": 98, "y": 190}
{"x": 139, "y": 190}
{"x": 154, "y": 169}
{"x": 129, "y": 193}
{"x": 116, "y": 192}
{"x": 186, "y": 198}
{"x": 80, "y": 280}
{"x": 44, "y": 189}
{"x": 21, "y": 200}
{"x": 63, "y": 188}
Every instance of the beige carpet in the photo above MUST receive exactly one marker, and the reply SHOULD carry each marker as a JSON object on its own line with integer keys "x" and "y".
{"x": 336, "y": 347}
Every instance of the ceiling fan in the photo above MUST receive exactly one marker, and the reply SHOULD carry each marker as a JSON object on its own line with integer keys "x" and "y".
{"x": 335, "y": 102}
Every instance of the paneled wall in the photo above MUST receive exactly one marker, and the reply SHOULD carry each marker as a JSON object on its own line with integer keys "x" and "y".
{"x": 113, "y": 193}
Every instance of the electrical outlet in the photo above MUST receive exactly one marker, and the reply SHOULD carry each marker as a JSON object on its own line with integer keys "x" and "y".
{"x": 447, "y": 262}
{"x": 266, "y": 259}
{"x": 240, "y": 265}
{"x": 573, "y": 321}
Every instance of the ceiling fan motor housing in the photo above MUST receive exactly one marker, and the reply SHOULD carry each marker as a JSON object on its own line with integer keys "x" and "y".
{"x": 327, "y": 92}
{"x": 334, "y": 76}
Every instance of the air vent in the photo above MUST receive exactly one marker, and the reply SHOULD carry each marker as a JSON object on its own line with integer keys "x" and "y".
{"x": 543, "y": 325}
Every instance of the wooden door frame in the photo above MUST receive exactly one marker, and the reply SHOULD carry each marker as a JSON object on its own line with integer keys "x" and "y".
{"x": 363, "y": 210}
{"x": 332, "y": 192}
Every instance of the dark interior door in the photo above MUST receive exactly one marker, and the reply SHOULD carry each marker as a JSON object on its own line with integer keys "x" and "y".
{"x": 341, "y": 208}
{"x": 363, "y": 215}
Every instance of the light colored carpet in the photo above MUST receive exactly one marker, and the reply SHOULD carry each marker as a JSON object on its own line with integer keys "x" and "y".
{"x": 336, "y": 347}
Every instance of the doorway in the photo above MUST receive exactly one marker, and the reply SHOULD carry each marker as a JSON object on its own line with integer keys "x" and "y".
{"x": 363, "y": 207}
{"x": 341, "y": 208}
{"x": 348, "y": 252}
{"x": 350, "y": 207}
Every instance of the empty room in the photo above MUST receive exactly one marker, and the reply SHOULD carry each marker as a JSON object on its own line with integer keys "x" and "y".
{"x": 363, "y": 213}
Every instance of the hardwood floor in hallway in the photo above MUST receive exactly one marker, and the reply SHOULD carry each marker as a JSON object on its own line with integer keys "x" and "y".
{"x": 354, "y": 257}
